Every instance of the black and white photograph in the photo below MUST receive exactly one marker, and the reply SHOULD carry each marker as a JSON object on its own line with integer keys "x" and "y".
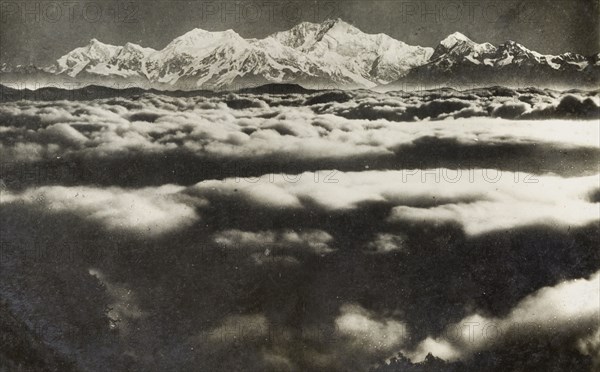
{"x": 299, "y": 186}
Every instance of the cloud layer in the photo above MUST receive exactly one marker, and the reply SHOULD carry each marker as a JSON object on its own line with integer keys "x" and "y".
{"x": 150, "y": 140}
{"x": 305, "y": 232}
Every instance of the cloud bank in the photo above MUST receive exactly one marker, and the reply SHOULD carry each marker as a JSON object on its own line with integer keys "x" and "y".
{"x": 123, "y": 140}
{"x": 305, "y": 232}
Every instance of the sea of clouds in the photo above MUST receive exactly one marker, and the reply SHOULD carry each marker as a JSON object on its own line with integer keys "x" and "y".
{"x": 305, "y": 232}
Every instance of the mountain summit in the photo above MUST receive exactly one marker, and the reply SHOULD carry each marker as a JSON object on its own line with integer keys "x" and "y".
{"x": 97, "y": 58}
{"x": 459, "y": 62}
{"x": 331, "y": 54}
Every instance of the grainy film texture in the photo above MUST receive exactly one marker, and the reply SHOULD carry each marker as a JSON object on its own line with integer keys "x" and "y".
{"x": 321, "y": 186}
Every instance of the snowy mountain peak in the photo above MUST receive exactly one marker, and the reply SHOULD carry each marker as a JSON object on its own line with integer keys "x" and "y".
{"x": 299, "y": 35}
{"x": 458, "y": 59}
{"x": 199, "y": 35}
{"x": 196, "y": 44}
{"x": 458, "y": 47}
{"x": 513, "y": 43}
{"x": 455, "y": 38}
{"x": 338, "y": 25}
{"x": 93, "y": 53}
{"x": 304, "y": 35}
{"x": 517, "y": 48}
{"x": 96, "y": 45}
{"x": 330, "y": 53}
{"x": 132, "y": 46}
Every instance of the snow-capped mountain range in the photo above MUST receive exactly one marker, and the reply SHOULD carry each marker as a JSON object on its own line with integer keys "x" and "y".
{"x": 332, "y": 54}
{"x": 329, "y": 54}
{"x": 460, "y": 62}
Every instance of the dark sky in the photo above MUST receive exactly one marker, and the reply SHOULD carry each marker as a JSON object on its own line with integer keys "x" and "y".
{"x": 39, "y": 32}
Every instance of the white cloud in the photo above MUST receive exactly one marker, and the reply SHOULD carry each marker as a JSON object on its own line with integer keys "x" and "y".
{"x": 151, "y": 211}
{"x": 385, "y": 243}
{"x": 479, "y": 200}
{"x": 274, "y": 242}
{"x": 590, "y": 345}
{"x": 208, "y": 127}
{"x": 370, "y": 332}
{"x": 570, "y": 308}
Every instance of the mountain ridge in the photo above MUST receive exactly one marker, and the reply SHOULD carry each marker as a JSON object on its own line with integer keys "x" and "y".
{"x": 331, "y": 54}
{"x": 460, "y": 62}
